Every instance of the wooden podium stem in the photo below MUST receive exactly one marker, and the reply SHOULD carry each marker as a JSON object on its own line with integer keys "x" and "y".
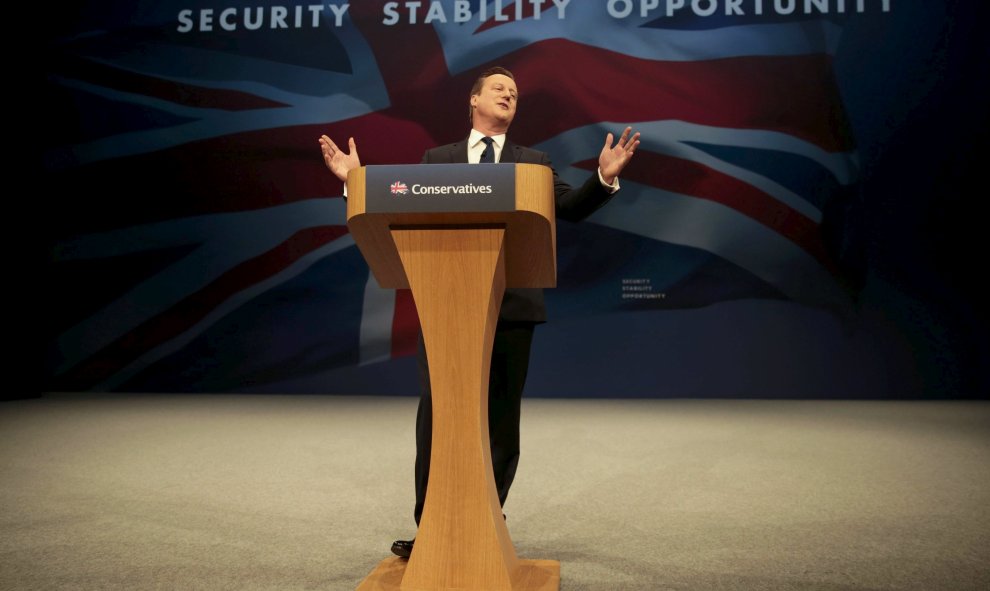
{"x": 457, "y": 277}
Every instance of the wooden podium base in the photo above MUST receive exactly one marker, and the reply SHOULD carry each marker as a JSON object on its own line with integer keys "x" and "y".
{"x": 531, "y": 575}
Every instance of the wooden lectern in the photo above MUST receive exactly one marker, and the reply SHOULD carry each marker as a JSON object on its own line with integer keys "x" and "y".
{"x": 457, "y": 235}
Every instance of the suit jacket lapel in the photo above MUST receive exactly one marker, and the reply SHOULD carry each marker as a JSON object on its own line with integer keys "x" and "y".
{"x": 458, "y": 153}
{"x": 508, "y": 153}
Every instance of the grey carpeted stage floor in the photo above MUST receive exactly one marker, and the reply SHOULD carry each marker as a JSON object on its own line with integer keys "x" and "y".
{"x": 307, "y": 492}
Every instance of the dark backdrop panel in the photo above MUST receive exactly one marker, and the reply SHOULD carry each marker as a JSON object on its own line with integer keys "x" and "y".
{"x": 800, "y": 220}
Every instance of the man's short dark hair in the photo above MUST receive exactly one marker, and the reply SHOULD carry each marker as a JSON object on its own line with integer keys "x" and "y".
{"x": 476, "y": 89}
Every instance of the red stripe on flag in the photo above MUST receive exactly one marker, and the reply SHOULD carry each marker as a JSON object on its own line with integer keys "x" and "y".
{"x": 795, "y": 95}
{"x": 180, "y": 93}
{"x": 235, "y": 172}
{"x": 697, "y": 180}
{"x": 193, "y": 308}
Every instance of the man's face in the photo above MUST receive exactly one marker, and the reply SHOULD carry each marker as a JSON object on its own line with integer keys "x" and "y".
{"x": 496, "y": 104}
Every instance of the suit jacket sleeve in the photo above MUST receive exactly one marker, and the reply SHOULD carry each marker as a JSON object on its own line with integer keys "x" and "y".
{"x": 572, "y": 203}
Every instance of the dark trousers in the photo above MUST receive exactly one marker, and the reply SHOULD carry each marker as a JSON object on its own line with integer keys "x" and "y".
{"x": 510, "y": 362}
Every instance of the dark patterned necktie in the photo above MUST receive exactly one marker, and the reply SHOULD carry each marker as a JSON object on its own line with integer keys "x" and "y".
{"x": 489, "y": 154}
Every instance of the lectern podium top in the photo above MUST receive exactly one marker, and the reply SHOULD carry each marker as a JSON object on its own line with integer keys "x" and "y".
{"x": 518, "y": 197}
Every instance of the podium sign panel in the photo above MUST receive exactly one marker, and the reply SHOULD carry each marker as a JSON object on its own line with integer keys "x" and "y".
{"x": 440, "y": 188}
{"x": 529, "y": 222}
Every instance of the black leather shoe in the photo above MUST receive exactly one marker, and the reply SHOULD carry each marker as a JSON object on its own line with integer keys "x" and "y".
{"x": 403, "y": 548}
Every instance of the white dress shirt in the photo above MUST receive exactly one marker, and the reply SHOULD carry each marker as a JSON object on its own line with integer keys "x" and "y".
{"x": 476, "y": 146}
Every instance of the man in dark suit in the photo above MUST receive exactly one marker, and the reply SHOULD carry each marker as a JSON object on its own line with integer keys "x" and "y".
{"x": 492, "y": 107}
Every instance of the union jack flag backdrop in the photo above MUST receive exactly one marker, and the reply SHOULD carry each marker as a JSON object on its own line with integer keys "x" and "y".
{"x": 200, "y": 244}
